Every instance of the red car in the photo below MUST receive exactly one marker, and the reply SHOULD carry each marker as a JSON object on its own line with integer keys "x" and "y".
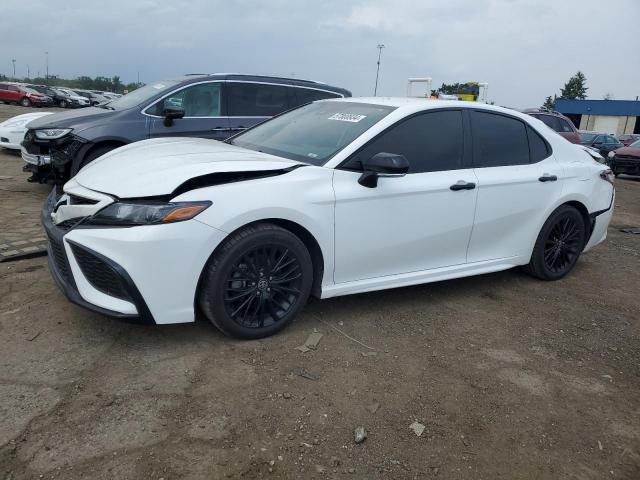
{"x": 558, "y": 122}
{"x": 625, "y": 160}
{"x": 16, "y": 93}
{"x": 629, "y": 138}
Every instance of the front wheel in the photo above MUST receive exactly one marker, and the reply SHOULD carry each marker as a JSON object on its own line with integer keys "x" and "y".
{"x": 25, "y": 102}
{"x": 63, "y": 104}
{"x": 559, "y": 244}
{"x": 257, "y": 281}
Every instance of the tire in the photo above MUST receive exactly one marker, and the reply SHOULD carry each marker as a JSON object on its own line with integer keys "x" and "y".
{"x": 559, "y": 244}
{"x": 25, "y": 102}
{"x": 62, "y": 104}
{"x": 256, "y": 282}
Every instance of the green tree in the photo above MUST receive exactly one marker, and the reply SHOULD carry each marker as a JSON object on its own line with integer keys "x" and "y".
{"x": 575, "y": 88}
{"x": 549, "y": 103}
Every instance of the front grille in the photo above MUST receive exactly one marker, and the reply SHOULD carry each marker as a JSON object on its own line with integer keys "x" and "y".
{"x": 101, "y": 275}
{"x": 627, "y": 157}
{"x": 59, "y": 258}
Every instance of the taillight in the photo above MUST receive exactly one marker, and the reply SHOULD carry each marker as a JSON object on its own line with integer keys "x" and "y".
{"x": 607, "y": 175}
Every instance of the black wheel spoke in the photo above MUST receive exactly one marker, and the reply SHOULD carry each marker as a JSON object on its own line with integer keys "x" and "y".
{"x": 262, "y": 286}
{"x": 563, "y": 244}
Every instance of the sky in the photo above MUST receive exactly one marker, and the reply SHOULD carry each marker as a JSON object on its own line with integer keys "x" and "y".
{"x": 524, "y": 49}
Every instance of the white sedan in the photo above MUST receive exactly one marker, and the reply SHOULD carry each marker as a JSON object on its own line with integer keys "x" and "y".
{"x": 12, "y": 131}
{"x": 336, "y": 197}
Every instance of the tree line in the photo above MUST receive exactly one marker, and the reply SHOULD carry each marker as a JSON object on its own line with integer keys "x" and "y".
{"x": 104, "y": 84}
{"x": 575, "y": 89}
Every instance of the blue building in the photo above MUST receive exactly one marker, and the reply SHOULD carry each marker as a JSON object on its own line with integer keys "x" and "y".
{"x": 616, "y": 117}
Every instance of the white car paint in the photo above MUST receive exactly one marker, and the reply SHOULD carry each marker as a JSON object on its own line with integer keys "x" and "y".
{"x": 408, "y": 230}
{"x": 15, "y": 128}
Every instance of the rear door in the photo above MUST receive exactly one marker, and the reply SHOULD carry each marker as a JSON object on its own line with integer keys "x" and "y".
{"x": 14, "y": 94}
{"x": 250, "y": 103}
{"x": 204, "y": 116}
{"x": 518, "y": 178}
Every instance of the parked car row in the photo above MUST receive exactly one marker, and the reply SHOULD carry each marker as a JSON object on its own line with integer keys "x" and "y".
{"x": 29, "y": 95}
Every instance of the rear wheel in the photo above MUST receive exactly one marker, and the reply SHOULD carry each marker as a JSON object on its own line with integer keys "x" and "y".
{"x": 25, "y": 102}
{"x": 559, "y": 244}
{"x": 256, "y": 282}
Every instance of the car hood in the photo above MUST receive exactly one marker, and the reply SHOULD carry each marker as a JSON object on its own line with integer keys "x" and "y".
{"x": 628, "y": 151}
{"x": 76, "y": 119}
{"x": 159, "y": 166}
{"x": 25, "y": 118}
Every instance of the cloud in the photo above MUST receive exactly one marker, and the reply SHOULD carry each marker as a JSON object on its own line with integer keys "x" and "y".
{"x": 526, "y": 50}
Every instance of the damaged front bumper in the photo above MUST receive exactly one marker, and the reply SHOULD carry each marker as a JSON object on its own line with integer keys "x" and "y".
{"x": 76, "y": 269}
{"x": 51, "y": 161}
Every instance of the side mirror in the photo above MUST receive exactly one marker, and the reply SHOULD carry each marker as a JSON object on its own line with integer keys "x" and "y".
{"x": 171, "y": 113}
{"x": 382, "y": 165}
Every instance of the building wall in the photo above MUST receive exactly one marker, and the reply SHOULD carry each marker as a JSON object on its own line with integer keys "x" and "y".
{"x": 608, "y": 124}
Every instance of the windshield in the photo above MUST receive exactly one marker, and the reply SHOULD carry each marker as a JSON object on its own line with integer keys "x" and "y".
{"x": 141, "y": 94}
{"x": 635, "y": 144}
{"x": 587, "y": 137}
{"x": 29, "y": 90}
{"x": 313, "y": 133}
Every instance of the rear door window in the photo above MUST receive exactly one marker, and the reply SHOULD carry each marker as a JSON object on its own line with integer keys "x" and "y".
{"x": 302, "y": 96}
{"x": 550, "y": 121}
{"x": 498, "y": 140}
{"x": 256, "y": 99}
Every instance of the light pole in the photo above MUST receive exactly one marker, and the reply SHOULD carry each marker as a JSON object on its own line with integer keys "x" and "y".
{"x": 379, "y": 47}
{"x": 13, "y": 61}
{"x": 46, "y": 57}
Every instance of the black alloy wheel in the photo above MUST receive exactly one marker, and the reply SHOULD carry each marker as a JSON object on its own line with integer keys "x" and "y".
{"x": 563, "y": 244}
{"x": 262, "y": 286}
{"x": 559, "y": 244}
{"x": 256, "y": 281}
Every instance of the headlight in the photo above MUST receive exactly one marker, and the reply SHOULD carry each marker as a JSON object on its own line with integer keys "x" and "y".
{"x": 52, "y": 133}
{"x": 611, "y": 154}
{"x": 131, "y": 214}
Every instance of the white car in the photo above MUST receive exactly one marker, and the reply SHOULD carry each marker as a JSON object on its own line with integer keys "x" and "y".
{"x": 12, "y": 131}
{"x": 333, "y": 198}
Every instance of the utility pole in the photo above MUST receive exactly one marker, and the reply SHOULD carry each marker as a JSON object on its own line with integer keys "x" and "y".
{"x": 379, "y": 47}
{"x": 28, "y": 71}
{"x": 13, "y": 60}
{"x": 46, "y": 56}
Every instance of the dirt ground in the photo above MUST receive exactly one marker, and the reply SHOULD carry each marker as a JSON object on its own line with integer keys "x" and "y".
{"x": 512, "y": 378}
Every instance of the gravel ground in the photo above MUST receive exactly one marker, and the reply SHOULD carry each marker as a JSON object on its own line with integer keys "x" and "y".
{"x": 512, "y": 378}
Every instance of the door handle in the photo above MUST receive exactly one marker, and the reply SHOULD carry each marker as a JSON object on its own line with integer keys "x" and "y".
{"x": 548, "y": 178}
{"x": 462, "y": 185}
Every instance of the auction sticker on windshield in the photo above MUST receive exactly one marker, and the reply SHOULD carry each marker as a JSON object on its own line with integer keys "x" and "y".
{"x": 347, "y": 117}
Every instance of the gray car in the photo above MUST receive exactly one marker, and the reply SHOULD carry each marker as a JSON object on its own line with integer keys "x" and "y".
{"x": 209, "y": 106}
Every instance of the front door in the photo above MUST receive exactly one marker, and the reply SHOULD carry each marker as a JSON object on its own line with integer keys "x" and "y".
{"x": 203, "y": 118}
{"x": 411, "y": 223}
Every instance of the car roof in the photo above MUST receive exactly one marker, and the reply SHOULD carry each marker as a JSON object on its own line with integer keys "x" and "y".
{"x": 198, "y": 77}
{"x": 413, "y": 104}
